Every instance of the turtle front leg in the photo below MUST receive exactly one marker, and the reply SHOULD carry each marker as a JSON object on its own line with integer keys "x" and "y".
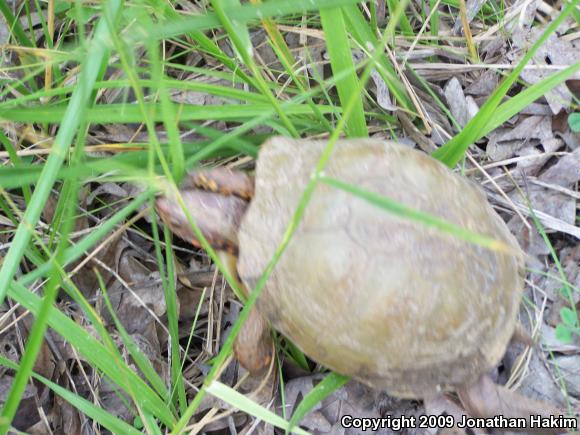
{"x": 254, "y": 347}
{"x": 486, "y": 399}
{"x": 221, "y": 180}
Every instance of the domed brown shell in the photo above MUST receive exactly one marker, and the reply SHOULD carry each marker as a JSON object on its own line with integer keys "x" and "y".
{"x": 393, "y": 303}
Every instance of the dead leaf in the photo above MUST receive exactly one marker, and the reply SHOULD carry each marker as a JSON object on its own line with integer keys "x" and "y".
{"x": 66, "y": 418}
{"x": 565, "y": 172}
{"x": 542, "y": 152}
{"x": 115, "y": 401}
{"x": 505, "y": 142}
{"x": 461, "y": 108}
{"x": 530, "y": 127}
{"x": 27, "y": 414}
{"x": 382, "y": 92}
{"x": 551, "y": 344}
{"x": 568, "y": 370}
{"x": 538, "y": 383}
{"x": 199, "y": 98}
{"x": 484, "y": 84}
{"x": 486, "y": 399}
{"x": 554, "y": 52}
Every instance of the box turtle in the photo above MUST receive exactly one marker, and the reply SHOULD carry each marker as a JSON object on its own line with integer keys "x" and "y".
{"x": 391, "y": 302}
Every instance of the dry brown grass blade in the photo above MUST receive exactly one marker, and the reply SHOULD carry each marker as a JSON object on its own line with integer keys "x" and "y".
{"x": 467, "y": 31}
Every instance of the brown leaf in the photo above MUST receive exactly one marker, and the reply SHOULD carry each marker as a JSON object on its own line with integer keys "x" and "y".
{"x": 65, "y": 416}
{"x": 443, "y": 405}
{"x": 27, "y": 414}
{"x": 486, "y": 399}
{"x": 484, "y": 84}
{"x": 555, "y": 51}
{"x": 537, "y": 383}
{"x": 505, "y": 142}
{"x": 568, "y": 368}
{"x": 565, "y": 172}
{"x": 463, "y": 109}
{"x": 139, "y": 297}
{"x": 551, "y": 343}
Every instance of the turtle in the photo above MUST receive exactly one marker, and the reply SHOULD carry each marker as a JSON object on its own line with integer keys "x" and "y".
{"x": 391, "y": 302}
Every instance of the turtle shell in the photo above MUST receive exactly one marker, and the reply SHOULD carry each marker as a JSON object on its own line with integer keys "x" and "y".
{"x": 390, "y": 302}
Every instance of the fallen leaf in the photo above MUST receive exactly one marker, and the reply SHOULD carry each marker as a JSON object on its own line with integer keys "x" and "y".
{"x": 554, "y": 52}
{"x": 568, "y": 370}
{"x": 461, "y": 108}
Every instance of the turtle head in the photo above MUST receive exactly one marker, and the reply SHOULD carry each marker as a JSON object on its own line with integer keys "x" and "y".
{"x": 217, "y": 200}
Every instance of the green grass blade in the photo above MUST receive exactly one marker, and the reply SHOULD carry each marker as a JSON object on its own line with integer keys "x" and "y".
{"x": 169, "y": 114}
{"x": 341, "y": 62}
{"x": 70, "y": 122}
{"x": 122, "y": 113}
{"x": 69, "y": 193}
{"x": 178, "y": 391}
{"x": 14, "y": 25}
{"x": 288, "y": 61}
{"x": 75, "y": 336}
{"x": 435, "y": 20}
{"x": 106, "y": 419}
{"x": 365, "y": 37}
{"x": 321, "y": 391}
{"x": 238, "y": 33}
{"x": 574, "y": 122}
{"x": 206, "y": 44}
{"x": 244, "y": 15}
{"x": 426, "y": 219}
{"x": 524, "y": 98}
{"x": 404, "y": 23}
{"x": 95, "y": 352}
{"x": 73, "y": 253}
{"x": 150, "y": 424}
{"x": 141, "y": 361}
{"x": 241, "y": 402}
{"x": 452, "y": 152}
